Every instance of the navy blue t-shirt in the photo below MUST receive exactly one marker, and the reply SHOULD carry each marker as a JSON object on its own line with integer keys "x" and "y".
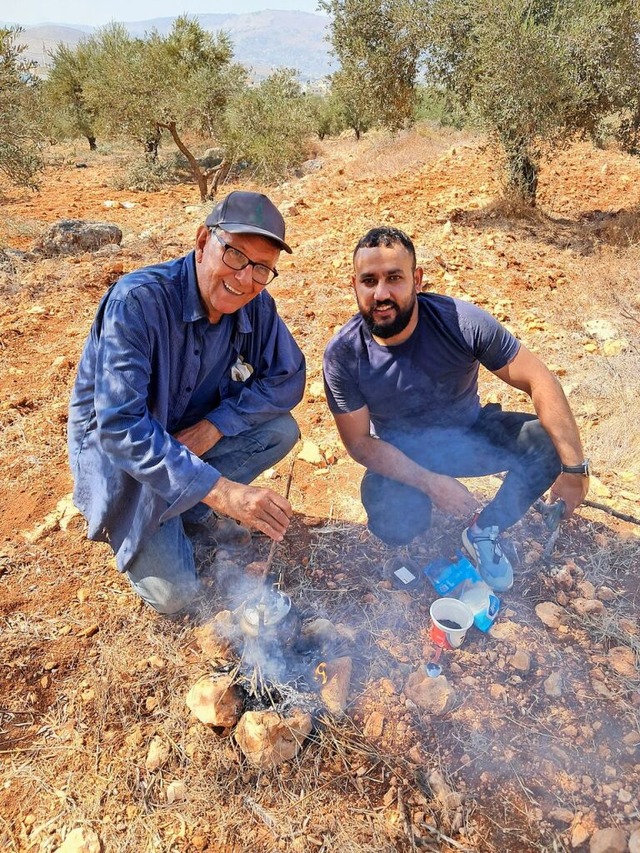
{"x": 430, "y": 380}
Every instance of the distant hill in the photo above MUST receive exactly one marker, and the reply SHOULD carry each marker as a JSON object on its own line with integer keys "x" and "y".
{"x": 262, "y": 40}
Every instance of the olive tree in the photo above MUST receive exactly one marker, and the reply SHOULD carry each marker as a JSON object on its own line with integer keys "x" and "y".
{"x": 177, "y": 84}
{"x": 534, "y": 74}
{"x": 20, "y": 136}
{"x": 267, "y": 126}
{"x": 64, "y": 92}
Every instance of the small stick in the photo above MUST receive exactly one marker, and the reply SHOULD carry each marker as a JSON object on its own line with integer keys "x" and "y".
{"x": 611, "y": 511}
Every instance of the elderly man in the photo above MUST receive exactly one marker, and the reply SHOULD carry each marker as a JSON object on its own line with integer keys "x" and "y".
{"x": 402, "y": 383}
{"x": 182, "y": 398}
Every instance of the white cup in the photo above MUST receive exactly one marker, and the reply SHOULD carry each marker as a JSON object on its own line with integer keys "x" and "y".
{"x": 446, "y": 613}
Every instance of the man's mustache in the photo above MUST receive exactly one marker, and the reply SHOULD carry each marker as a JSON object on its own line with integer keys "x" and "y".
{"x": 388, "y": 303}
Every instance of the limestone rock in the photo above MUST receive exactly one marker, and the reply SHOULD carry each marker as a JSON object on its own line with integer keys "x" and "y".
{"x": 312, "y": 454}
{"x": 320, "y": 632}
{"x": 176, "y": 791}
{"x": 561, "y": 815}
{"x": 316, "y": 391}
{"x": 622, "y": 659}
{"x": 336, "y": 689}
{"x": 588, "y": 606}
{"x": 80, "y": 840}
{"x": 374, "y": 725}
{"x": 74, "y": 236}
{"x": 216, "y": 701}
{"x": 216, "y": 637}
{"x": 634, "y": 842}
{"x": 550, "y": 614}
{"x": 504, "y": 630}
{"x": 267, "y": 739}
{"x": 158, "y": 754}
{"x": 609, "y": 840}
{"x": 553, "y": 685}
{"x": 521, "y": 660}
{"x": 579, "y": 835}
{"x": 435, "y": 695}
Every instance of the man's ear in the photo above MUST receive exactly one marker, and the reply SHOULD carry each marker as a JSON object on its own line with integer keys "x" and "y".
{"x": 202, "y": 236}
{"x": 417, "y": 279}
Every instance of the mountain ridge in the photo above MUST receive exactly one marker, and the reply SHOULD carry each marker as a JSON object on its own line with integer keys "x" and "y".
{"x": 262, "y": 41}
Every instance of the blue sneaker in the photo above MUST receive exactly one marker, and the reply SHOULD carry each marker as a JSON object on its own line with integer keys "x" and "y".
{"x": 485, "y": 551}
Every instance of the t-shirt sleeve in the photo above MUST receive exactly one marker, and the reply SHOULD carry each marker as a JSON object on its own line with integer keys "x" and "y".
{"x": 340, "y": 377}
{"x": 492, "y": 344}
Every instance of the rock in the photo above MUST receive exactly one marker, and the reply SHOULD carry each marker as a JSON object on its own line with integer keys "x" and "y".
{"x": 336, "y": 689}
{"x": 158, "y": 754}
{"x": 316, "y": 391}
{"x": 587, "y": 606}
{"x": 579, "y": 835}
{"x": 374, "y": 725}
{"x": 610, "y": 840}
{"x": 215, "y": 638}
{"x": 267, "y": 739}
{"x": 605, "y": 593}
{"x": 634, "y": 841}
{"x": 80, "y": 840}
{"x": 521, "y": 660}
{"x": 434, "y": 695}
{"x": 563, "y": 579}
{"x": 320, "y": 632}
{"x": 561, "y": 815}
{"x": 176, "y": 792}
{"x": 553, "y": 685}
{"x": 312, "y": 454}
{"x": 586, "y": 589}
{"x": 550, "y": 614}
{"x": 74, "y": 236}
{"x": 216, "y": 700}
{"x": 504, "y": 630}
{"x": 622, "y": 659}
{"x": 497, "y": 691}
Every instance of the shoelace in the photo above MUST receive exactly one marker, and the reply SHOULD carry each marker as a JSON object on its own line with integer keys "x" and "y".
{"x": 497, "y": 550}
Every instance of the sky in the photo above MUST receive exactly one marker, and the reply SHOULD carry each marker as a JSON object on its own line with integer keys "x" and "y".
{"x": 29, "y": 12}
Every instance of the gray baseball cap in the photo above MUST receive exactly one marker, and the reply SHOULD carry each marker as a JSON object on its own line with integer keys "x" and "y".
{"x": 243, "y": 212}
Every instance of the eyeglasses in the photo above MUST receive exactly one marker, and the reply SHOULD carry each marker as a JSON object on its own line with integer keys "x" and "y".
{"x": 237, "y": 260}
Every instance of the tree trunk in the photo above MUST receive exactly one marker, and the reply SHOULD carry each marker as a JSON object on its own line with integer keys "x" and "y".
{"x": 196, "y": 171}
{"x": 523, "y": 174}
{"x": 92, "y": 143}
{"x": 221, "y": 173}
{"x": 151, "y": 148}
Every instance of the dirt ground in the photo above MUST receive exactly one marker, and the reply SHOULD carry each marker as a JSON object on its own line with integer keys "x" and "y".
{"x": 541, "y": 747}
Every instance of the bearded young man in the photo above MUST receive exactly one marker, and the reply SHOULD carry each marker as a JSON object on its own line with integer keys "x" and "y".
{"x": 183, "y": 397}
{"x": 401, "y": 379}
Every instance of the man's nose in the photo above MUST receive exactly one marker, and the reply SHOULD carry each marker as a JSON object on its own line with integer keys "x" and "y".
{"x": 245, "y": 276}
{"x": 381, "y": 291}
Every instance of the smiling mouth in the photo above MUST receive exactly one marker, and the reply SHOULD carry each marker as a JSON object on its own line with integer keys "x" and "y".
{"x": 230, "y": 289}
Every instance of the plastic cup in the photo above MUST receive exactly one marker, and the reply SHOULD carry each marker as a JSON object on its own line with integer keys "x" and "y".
{"x": 450, "y": 621}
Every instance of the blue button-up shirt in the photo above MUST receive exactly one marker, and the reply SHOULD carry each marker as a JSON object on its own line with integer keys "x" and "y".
{"x": 146, "y": 371}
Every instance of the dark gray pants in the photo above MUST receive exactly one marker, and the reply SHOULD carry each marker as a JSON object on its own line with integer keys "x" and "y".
{"x": 510, "y": 442}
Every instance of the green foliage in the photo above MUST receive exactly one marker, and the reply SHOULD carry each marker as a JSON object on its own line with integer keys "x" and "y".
{"x": 534, "y": 73}
{"x": 378, "y": 43}
{"x": 326, "y": 114}
{"x": 267, "y": 127}
{"x": 147, "y": 176}
{"x": 68, "y": 112}
{"x": 20, "y": 137}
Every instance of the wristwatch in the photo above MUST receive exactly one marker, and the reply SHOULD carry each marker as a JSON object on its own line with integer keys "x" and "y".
{"x": 584, "y": 468}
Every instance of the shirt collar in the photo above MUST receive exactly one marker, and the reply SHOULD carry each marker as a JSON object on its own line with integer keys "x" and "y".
{"x": 192, "y": 307}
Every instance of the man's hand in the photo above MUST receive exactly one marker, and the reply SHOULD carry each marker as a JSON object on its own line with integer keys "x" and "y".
{"x": 255, "y": 507}
{"x": 572, "y": 489}
{"x": 451, "y": 496}
{"x": 200, "y": 437}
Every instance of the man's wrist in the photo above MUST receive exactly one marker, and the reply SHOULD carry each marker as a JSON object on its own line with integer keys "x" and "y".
{"x": 582, "y": 469}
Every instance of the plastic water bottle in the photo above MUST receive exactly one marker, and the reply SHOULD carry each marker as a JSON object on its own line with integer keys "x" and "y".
{"x": 483, "y": 603}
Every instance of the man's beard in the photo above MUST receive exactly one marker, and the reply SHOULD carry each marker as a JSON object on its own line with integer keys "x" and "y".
{"x": 393, "y": 327}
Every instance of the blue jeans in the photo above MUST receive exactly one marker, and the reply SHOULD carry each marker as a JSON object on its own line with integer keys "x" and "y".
{"x": 498, "y": 441}
{"x": 164, "y": 572}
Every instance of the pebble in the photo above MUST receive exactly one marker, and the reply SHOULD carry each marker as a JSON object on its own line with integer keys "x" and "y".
{"x": 550, "y": 614}
{"x": 553, "y": 685}
{"x": 609, "y": 840}
{"x": 80, "y": 840}
{"x": 520, "y": 660}
{"x": 587, "y": 606}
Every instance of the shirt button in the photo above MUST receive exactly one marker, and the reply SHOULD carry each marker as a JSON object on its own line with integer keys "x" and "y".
{"x": 196, "y": 352}
{"x": 188, "y": 387}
